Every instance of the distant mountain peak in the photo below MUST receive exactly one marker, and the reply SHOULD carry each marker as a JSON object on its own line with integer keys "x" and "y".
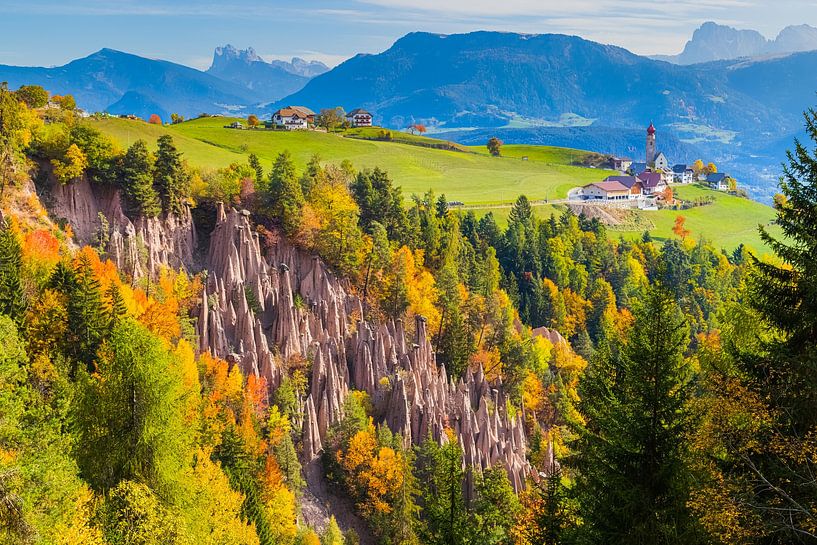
{"x": 713, "y": 42}
{"x": 230, "y": 53}
{"x": 227, "y": 57}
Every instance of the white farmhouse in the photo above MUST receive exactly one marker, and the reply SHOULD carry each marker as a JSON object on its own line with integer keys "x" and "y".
{"x": 359, "y": 118}
{"x": 293, "y": 118}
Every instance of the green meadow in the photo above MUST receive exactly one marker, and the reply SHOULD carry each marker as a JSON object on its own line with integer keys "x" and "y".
{"x": 473, "y": 178}
{"x": 482, "y": 182}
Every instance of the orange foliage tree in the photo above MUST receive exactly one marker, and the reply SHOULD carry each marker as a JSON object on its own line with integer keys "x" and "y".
{"x": 155, "y": 119}
{"x": 679, "y": 228}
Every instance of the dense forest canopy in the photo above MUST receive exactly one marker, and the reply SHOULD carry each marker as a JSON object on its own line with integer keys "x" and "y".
{"x": 667, "y": 389}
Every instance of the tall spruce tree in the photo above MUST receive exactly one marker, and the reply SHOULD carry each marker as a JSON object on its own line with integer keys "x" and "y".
{"x": 285, "y": 197}
{"x": 631, "y": 474}
{"x": 12, "y": 298}
{"x": 135, "y": 176}
{"x": 86, "y": 316}
{"x": 170, "y": 177}
{"x": 784, "y": 372}
{"x": 440, "y": 474}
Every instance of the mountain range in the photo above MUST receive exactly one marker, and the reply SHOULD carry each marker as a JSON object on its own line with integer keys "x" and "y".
{"x": 549, "y": 84}
{"x": 714, "y": 42}
{"x": 123, "y": 83}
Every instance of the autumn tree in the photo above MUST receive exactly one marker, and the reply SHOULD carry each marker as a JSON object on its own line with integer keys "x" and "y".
{"x": 154, "y": 119}
{"x": 71, "y": 166}
{"x": 698, "y": 167}
{"x": 330, "y": 118}
{"x": 495, "y": 146}
{"x": 711, "y": 168}
{"x": 252, "y": 121}
{"x": 34, "y": 96}
{"x": 679, "y": 229}
{"x": 175, "y": 119}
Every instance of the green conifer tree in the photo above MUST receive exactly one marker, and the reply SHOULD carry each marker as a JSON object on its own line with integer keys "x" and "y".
{"x": 135, "y": 176}
{"x": 12, "y": 298}
{"x": 170, "y": 177}
{"x": 630, "y": 457}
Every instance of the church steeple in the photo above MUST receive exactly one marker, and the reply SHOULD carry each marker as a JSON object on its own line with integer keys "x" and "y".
{"x": 650, "y": 158}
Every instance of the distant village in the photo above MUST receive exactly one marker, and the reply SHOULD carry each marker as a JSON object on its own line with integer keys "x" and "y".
{"x": 647, "y": 184}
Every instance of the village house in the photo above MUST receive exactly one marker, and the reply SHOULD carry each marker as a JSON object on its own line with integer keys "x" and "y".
{"x": 621, "y": 164}
{"x": 359, "y": 118}
{"x": 632, "y": 183}
{"x": 293, "y": 118}
{"x": 682, "y": 174}
{"x": 652, "y": 183}
{"x": 605, "y": 191}
{"x": 719, "y": 181}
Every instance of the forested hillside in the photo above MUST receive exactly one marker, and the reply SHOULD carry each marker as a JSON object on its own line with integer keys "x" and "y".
{"x": 288, "y": 354}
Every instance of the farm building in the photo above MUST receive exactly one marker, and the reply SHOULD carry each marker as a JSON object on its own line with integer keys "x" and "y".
{"x": 359, "y": 118}
{"x": 293, "y": 118}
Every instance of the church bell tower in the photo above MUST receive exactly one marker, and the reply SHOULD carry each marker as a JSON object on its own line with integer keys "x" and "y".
{"x": 650, "y": 145}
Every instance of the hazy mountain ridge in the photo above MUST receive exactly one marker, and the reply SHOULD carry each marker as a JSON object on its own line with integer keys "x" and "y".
{"x": 713, "y": 42}
{"x": 267, "y": 80}
{"x": 119, "y": 82}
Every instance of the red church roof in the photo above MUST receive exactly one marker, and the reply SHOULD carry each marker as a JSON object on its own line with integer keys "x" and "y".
{"x": 651, "y": 128}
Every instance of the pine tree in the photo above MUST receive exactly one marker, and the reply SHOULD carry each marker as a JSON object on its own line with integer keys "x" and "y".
{"x": 285, "y": 197}
{"x": 255, "y": 164}
{"x": 441, "y": 477}
{"x": 137, "y": 181}
{"x": 632, "y": 478}
{"x": 784, "y": 371}
{"x": 86, "y": 322}
{"x": 170, "y": 177}
{"x": 12, "y": 298}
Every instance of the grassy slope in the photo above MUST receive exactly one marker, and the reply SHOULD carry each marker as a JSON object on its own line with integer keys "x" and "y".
{"x": 474, "y": 178}
{"x": 467, "y": 177}
{"x": 728, "y": 222}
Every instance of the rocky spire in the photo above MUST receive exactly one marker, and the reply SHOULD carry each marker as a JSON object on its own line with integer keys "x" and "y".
{"x": 290, "y": 301}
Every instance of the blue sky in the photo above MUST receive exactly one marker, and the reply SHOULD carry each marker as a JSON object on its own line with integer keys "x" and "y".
{"x": 49, "y": 32}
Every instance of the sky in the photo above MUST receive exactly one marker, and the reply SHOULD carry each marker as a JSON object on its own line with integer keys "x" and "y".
{"x": 53, "y": 32}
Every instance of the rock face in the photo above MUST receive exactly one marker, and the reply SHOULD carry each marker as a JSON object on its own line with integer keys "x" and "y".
{"x": 138, "y": 247}
{"x": 260, "y": 311}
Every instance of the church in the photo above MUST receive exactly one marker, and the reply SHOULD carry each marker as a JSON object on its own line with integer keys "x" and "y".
{"x": 656, "y": 161}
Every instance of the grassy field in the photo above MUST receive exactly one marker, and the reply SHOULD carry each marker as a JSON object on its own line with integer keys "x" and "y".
{"x": 468, "y": 177}
{"x": 471, "y": 176}
{"x": 727, "y": 222}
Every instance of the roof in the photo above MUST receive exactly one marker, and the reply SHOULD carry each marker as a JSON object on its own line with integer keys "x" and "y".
{"x": 303, "y": 110}
{"x": 610, "y": 186}
{"x": 651, "y": 128}
{"x": 650, "y": 180}
{"x": 679, "y": 168}
{"x": 358, "y": 111}
{"x": 626, "y": 181}
{"x": 716, "y": 177}
{"x": 290, "y": 112}
{"x": 638, "y": 168}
